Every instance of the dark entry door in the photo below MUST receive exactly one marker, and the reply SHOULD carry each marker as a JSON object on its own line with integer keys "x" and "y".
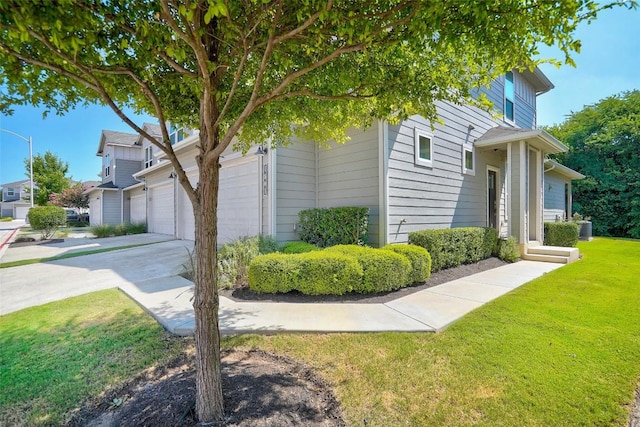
{"x": 492, "y": 202}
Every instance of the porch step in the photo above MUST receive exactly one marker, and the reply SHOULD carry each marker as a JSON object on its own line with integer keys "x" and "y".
{"x": 555, "y": 254}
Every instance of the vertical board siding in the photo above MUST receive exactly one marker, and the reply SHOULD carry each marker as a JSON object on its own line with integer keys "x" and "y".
{"x": 295, "y": 187}
{"x": 441, "y": 196}
{"x": 124, "y": 170}
{"x": 348, "y": 176}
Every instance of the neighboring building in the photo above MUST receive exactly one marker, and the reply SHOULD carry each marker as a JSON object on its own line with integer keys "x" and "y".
{"x": 15, "y": 199}
{"x": 557, "y": 191}
{"x": 476, "y": 169}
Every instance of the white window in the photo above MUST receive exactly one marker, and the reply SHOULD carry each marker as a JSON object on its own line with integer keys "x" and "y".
{"x": 509, "y": 97}
{"x": 468, "y": 159}
{"x": 107, "y": 165}
{"x": 423, "y": 148}
{"x": 175, "y": 134}
{"x": 148, "y": 156}
{"x": 11, "y": 191}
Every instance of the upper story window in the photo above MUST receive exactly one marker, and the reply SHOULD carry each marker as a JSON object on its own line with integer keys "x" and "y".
{"x": 11, "y": 191}
{"x": 107, "y": 165}
{"x": 468, "y": 159}
{"x": 148, "y": 156}
{"x": 509, "y": 97}
{"x": 423, "y": 148}
{"x": 176, "y": 134}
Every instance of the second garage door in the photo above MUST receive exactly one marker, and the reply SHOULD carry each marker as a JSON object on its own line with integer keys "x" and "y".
{"x": 161, "y": 210}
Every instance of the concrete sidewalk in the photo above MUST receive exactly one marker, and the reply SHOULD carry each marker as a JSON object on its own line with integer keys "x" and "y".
{"x": 169, "y": 302}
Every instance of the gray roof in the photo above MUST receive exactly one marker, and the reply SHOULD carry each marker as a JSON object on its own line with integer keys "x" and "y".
{"x": 115, "y": 137}
{"x": 15, "y": 183}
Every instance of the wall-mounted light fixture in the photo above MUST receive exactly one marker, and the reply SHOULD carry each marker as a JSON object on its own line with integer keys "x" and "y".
{"x": 173, "y": 175}
{"x": 261, "y": 151}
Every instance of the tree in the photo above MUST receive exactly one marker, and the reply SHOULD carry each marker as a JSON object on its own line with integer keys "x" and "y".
{"x": 71, "y": 197}
{"x": 260, "y": 72}
{"x": 49, "y": 176}
{"x": 604, "y": 145}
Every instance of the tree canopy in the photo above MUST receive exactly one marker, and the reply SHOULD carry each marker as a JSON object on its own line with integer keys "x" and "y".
{"x": 604, "y": 145}
{"x": 71, "y": 197}
{"x": 253, "y": 72}
{"x": 49, "y": 176}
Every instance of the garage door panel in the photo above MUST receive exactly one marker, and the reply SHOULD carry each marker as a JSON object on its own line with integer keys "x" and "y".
{"x": 161, "y": 211}
{"x": 239, "y": 201}
{"x": 138, "y": 209}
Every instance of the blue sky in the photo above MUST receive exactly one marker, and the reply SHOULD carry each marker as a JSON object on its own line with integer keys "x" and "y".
{"x": 609, "y": 63}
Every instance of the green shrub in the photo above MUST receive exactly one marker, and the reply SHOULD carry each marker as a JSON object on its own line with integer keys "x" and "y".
{"x": 135, "y": 228}
{"x": 234, "y": 259}
{"x": 311, "y": 273}
{"x": 47, "y": 219}
{"x": 103, "y": 230}
{"x": 418, "y": 257}
{"x": 383, "y": 270}
{"x": 298, "y": 247}
{"x": 5, "y": 219}
{"x": 451, "y": 247}
{"x": 561, "y": 234}
{"x": 508, "y": 249}
{"x": 267, "y": 244}
{"x": 334, "y": 226}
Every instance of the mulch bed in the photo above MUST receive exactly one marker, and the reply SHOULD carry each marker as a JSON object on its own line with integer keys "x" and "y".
{"x": 437, "y": 278}
{"x": 260, "y": 389}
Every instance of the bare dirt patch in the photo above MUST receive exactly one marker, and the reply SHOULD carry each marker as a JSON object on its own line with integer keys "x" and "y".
{"x": 437, "y": 278}
{"x": 260, "y": 389}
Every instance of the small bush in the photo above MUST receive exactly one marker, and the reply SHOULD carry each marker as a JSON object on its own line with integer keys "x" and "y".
{"x": 103, "y": 230}
{"x": 267, "y": 245}
{"x": 311, "y": 273}
{"x": 382, "y": 270}
{"x": 334, "y": 226}
{"x": 298, "y": 247}
{"x": 418, "y": 257}
{"x": 234, "y": 260}
{"x": 47, "y": 219}
{"x": 451, "y": 247}
{"x": 561, "y": 234}
{"x": 508, "y": 249}
{"x": 5, "y": 219}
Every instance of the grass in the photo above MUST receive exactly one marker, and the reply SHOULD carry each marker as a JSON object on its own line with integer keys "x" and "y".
{"x": 54, "y": 356}
{"x": 562, "y": 350}
{"x": 68, "y": 255}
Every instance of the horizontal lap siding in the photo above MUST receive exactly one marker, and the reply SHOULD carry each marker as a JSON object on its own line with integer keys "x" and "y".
{"x": 555, "y": 202}
{"x": 295, "y": 187}
{"x": 348, "y": 176}
{"x": 441, "y": 196}
{"x": 524, "y": 102}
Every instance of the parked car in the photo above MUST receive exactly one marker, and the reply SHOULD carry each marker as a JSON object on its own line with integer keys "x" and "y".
{"x": 72, "y": 215}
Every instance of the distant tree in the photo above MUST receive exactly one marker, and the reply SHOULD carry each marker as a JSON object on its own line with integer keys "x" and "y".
{"x": 71, "y": 197}
{"x": 49, "y": 176}
{"x": 604, "y": 145}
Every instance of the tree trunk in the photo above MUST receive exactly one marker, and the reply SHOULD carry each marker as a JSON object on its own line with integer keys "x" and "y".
{"x": 209, "y": 402}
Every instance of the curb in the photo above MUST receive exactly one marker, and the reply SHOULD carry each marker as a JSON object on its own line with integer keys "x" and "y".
{"x": 3, "y": 245}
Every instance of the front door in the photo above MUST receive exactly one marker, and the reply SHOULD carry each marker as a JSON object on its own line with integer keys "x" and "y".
{"x": 492, "y": 202}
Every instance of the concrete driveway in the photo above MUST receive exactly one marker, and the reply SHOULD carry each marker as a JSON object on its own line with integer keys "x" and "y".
{"x": 35, "y": 284}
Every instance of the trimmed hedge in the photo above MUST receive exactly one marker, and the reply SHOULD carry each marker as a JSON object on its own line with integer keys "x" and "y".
{"x": 418, "y": 257}
{"x": 561, "y": 234}
{"x": 508, "y": 249}
{"x": 47, "y": 219}
{"x": 383, "y": 270}
{"x": 311, "y": 273}
{"x": 451, "y": 247}
{"x": 334, "y": 226}
{"x": 298, "y": 247}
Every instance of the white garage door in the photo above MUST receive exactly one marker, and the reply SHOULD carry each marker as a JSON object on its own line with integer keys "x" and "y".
{"x": 161, "y": 209}
{"x": 239, "y": 199}
{"x": 138, "y": 209}
{"x": 95, "y": 210}
{"x": 21, "y": 212}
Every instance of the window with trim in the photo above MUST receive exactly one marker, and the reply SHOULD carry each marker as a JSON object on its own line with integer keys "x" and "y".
{"x": 509, "y": 97}
{"x": 11, "y": 191}
{"x": 107, "y": 165}
{"x": 423, "y": 148}
{"x": 175, "y": 134}
{"x": 468, "y": 159}
{"x": 148, "y": 156}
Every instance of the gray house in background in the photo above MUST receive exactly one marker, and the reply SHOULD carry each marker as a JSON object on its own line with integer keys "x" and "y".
{"x": 474, "y": 169}
{"x": 15, "y": 202}
{"x": 122, "y": 156}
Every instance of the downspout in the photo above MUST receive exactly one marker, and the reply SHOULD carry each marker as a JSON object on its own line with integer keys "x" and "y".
{"x": 383, "y": 197}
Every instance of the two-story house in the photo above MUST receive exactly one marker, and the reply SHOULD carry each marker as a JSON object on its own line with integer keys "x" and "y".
{"x": 15, "y": 202}
{"x": 475, "y": 169}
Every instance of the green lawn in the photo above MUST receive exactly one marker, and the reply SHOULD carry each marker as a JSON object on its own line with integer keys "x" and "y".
{"x": 55, "y": 356}
{"x": 562, "y": 350}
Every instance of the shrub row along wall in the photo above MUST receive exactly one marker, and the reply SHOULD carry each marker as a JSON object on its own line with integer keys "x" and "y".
{"x": 561, "y": 234}
{"x": 334, "y": 226}
{"x": 451, "y": 247}
{"x": 340, "y": 269}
